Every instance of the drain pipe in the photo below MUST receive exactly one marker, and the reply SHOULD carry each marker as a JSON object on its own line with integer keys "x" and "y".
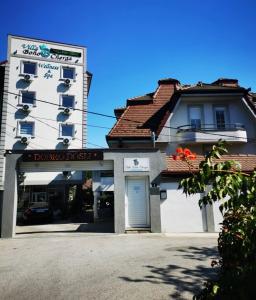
{"x": 153, "y": 137}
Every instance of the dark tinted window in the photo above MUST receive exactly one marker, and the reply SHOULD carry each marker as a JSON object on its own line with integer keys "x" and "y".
{"x": 29, "y": 68}
{"x": 68, "y": 73}
{"x": 67, "y": 101}
{"x": 67, "y": 130}
{"x": 28, "y": 97}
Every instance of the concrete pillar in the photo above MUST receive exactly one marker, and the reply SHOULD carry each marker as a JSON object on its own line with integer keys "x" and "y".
{"x": 10, "y": 197}
{"x": 210, "y": 218}
{"x": 155, "y": 213}
{"x": 95, "y": 205}
{"x": 96, "y": 188}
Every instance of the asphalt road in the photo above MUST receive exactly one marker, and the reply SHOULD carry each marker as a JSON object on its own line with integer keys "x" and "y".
{"x": 104, "y": 266}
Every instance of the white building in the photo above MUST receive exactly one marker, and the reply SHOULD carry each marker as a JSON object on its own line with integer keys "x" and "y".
{"x": 46, "y": 86}
{"x": 193, "y": 116}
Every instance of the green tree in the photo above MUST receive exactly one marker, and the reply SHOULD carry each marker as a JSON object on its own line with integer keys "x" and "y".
{"x": 224, "y": 181}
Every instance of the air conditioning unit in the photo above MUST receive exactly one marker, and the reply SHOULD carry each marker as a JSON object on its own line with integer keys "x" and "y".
{"x": 25, "y": 139}
{"x": 66, "y": 111}
{"x": 27, "y": 107}
{"x": 28, "y": 77}
{"x": 67, "y": 82}
{"x": 66, "y": 141}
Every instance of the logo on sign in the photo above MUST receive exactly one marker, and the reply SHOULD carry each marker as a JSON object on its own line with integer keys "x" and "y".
{"x": 45, "y": 52}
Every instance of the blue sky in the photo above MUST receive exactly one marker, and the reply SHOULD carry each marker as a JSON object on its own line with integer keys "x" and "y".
{"x": 131, "y": 44}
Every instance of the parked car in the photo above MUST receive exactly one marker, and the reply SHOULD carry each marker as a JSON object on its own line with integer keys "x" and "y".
{"x": 37, "y": 214}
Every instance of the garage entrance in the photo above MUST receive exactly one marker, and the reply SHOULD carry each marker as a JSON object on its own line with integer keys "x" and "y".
{"x": 64, "y": 191}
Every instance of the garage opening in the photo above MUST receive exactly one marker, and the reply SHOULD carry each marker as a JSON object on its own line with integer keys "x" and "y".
{"x": 74, "y": 201}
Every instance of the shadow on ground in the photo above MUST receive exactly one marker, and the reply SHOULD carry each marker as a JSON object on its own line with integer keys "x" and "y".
{"x": 101, "y": 226}
{"x": 182, "y": 279}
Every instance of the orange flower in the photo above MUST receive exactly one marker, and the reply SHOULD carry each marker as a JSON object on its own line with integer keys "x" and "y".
{"x": 192, "y": 156}
{"x": 179, "y": 150}
{"x": 187, "y": 152}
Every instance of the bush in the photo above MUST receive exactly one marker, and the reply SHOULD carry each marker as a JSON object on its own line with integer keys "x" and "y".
{"x": 237, "y": 239}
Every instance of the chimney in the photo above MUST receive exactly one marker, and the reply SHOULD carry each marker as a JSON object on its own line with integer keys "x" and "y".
{"x": 169, "y": 81}
{"x": 228, "y": 82}
{"x": 119, "y": 111}
{"x": 166, "y": 88}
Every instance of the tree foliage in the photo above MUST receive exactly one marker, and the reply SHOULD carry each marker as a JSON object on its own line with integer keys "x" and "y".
{"x": 224, "y": 181}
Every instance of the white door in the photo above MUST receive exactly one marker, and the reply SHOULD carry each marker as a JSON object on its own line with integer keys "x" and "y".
{"x": 137, "y": 202}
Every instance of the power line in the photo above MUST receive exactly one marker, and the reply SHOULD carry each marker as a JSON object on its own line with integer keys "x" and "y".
{"x": 53, "y": 127}
{"x": 125, "y": 119}
{"x": 48, "y": 119}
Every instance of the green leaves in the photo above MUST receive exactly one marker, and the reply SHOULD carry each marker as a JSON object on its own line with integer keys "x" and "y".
{"x": 224, "y": 181}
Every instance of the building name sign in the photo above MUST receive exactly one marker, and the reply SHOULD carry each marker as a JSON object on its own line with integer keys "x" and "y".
{"x": 63, "y": 156}
{"x": 46, "y": 52}
{"x": 136, "y": 164}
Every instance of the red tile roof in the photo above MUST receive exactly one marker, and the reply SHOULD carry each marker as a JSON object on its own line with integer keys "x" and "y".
{"x": 149, "y": 113}
{"x": 176, "y": 167}
{"x": 136, "y": 118}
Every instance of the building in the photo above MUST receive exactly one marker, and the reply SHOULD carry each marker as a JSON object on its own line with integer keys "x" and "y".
{"x": 139, "y": 166}
{"x": 194, "y": 116}
{"x": 43, "y": 90}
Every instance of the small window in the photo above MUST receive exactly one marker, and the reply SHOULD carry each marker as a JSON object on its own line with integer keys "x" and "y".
{"x": 221, "y": 117}
{"x": 67, "y": 130}
{"x": 29, "y": 68}
{"x": 195, "y": 117}
{"x": 67, "y": 101}
{"x": 28, "y": 97}
{"x": 68, "y": 73}
{"x": 26, "y": 128}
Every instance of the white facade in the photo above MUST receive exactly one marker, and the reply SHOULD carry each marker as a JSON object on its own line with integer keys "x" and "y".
{"x": 239, "y": 127}
{"x": 45, "y": 96}
{"x": 178, "y": 212}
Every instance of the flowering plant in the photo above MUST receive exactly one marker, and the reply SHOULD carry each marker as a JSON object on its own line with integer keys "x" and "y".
{"x": 184, "y": 154}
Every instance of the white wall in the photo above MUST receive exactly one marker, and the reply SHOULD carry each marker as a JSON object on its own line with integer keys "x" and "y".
{"x": 238, "y": 113}
{"x": 180, "y": 213}
{"x": 48, "y": 89}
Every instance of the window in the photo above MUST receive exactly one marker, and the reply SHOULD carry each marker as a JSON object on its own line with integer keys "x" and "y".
{"x": 68, "y": 73}
{"x": 66, "y": 130}
{"x": 39, "y": 197}
{"x": 221, "y": 117}
{"x": 29, "y": 68}
{"x": 67, "y": 101}
{"x": 28, "y": 97}
{"x": 195, "y": 117}
{"x": 26, "y": 128}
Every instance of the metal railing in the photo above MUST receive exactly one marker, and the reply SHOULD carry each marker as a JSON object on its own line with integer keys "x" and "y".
{"x": 212, "y": 127}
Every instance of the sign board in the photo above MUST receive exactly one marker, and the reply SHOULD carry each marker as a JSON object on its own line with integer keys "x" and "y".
{"x": 136, "y": 164}
{"x": 46, "y": 50}
{"x": 56, "y": 155}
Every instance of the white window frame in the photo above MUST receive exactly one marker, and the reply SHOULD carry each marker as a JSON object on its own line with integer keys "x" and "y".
{"x": 65, "y": 136}
{"x": 226, "y": 115}
{"x": 20, "y": 97}
{"x": 19, "y": 126}
{"x": 201, "y": 113}
{"x": 61, "y": 101}
{"x": 22, "y": 68}
{"x": 67, "y": 67}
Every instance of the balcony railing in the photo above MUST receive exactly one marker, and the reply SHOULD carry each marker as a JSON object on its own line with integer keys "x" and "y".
{"x": 210, "y": 133}
{"x": 212, "y": 127}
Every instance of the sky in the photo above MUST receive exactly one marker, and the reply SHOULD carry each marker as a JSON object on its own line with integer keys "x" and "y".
{"x": 132, "y": 44}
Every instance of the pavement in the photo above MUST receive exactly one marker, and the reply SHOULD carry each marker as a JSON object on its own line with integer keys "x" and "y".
{"x": 75, "y": 265}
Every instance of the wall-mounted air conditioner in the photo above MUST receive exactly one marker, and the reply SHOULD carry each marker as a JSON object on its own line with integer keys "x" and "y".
{"x": 27, "y": 107}
{"x": 28, "y": 77}
{"x": 66, "y": 141}
{"x": 25, "y": 139}
{"x": 67, "y": 82}
{"x": 67, "y": 111}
